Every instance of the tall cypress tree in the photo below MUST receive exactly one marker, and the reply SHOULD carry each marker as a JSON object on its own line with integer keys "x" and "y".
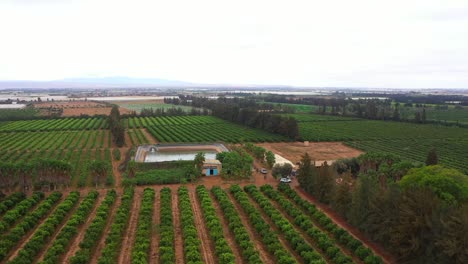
{"x": 432, "y": 158}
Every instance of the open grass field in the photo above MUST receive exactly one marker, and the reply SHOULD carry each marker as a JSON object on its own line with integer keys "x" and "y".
{"x": 410, "y": 141}
{"x": 175, "y": 225}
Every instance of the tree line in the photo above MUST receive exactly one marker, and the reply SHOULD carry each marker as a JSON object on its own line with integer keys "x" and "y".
{"x": 419, "y": 213}
{"x": 116, "y": 127}
{"x": 243, "y": 111}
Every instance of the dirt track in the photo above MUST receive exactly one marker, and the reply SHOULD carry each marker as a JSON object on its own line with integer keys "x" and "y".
{"x": 205, "y": 241}
{"x": 178, "y": 240}
{"x": 129, "y": 239}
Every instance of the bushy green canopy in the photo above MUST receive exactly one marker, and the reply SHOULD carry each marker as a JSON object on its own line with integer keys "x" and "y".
{"x": 449, "y": 184}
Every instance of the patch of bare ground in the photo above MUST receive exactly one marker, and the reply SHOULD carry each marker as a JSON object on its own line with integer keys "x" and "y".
{"x": 275, "y": 229}
{"x": 205, "y": 241}
{"x": 227, "y": 233}
{"x": 387, "y": 257}
{"x": 258, "y": 244}
{"x": 318, "y": 151}
{"x": 154, "y": 247}
{"x": 148, "y": 136}
{"x": 74, "y": 245}
{"x": 178, "y": 241}
{"x": 129, "y": 239}
{"x": 29, "y": 235}
{"x": 110, "y": 219}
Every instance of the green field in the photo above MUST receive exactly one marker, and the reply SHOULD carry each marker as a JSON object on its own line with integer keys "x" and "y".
{"x": 199, "y": 129}
{"x": 76, "y": 140}
{"x": 299, "y": 108}
{"x": 410, "y": 141}
{"x": 451, "y": 115}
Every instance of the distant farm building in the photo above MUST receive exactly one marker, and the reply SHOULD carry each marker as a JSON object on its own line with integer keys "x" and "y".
{"x": 211, "y": 167}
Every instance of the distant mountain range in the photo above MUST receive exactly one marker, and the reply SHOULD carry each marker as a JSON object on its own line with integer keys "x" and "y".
{"x": 105, "y": 82}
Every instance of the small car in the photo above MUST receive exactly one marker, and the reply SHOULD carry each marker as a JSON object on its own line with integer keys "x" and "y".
{"x": 264, "y": 171}
{"x": 285, "y": 180}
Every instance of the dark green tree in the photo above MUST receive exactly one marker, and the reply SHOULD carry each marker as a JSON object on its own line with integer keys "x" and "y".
{"x": 432, "y": 158}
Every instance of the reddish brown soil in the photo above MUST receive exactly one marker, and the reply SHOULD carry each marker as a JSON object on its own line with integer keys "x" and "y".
{"x": 154, "y": 247}
{"x": 178, "y": 240}
{"x": 102, "y": 241}
{"x": 275, "y": 229}
{"x": 75, "y": 242}
{"x": 205, "y": 241}
{"x": 149, "y": 138}
{"x": 227, "y": 233}
{"x": 258, "y": 244}
{"x": 129, "y": 239}
{"x": 77, "y": 108}
{"x": 388, "y": 258}
{"x": 29, "y": 235}
{"x": 59, "y": 228}
{"x": 318, "y": 151}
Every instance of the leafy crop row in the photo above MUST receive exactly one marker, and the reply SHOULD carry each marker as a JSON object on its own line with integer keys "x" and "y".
{"x": 215, "y": 229}
{"x": 242, "y": 238}
{"x": 11, "y": 201}
{"x": 117, "y": 230}
{"x": 140, "y": 252}
{"x": 94, "y": 231}
{"x": 19, "y": 210}
{"x": 297, "y": 242}
{"x": 341, "y": 235}
{"x": 166, "y": 229}
{"x": 30, "y": 221}
{"x": 46, "y": 230}
{"x": 269, "y": 237}
{"x": 70, "y": 229}
{"x": 300, "y": 219}
{"x": 189, "y": 230}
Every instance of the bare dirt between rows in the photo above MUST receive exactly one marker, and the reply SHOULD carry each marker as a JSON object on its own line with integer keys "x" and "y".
{"x": 154, "y": 246}
{"x": 149, "y": 138}
{"x": 110, "y": 219}
{"x": 129, "y": 239}
{"x": 388, "y": 258}
{"x": 57, "y": 231}
{"x": 29, "y": 234}
{"x": 227, "y": 233}
{"x": 206, "y": 244}
{"x": 258, "y": 244}
{"x": 74, "y": 244}
{"x": 178, "y": 244}
{"x": 275, "y": 229}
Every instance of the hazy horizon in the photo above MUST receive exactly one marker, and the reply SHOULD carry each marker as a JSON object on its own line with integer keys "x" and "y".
{"x": 363, "y": 43}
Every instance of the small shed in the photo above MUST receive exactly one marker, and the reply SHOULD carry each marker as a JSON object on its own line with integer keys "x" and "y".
{"x": 211, "y": 167}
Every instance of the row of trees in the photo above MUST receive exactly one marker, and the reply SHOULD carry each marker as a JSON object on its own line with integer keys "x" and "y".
{"x": 426, "y": 209}
{"x": 50, "y": 173}
{"x": 116, "y": 127}
{"x": 246, "y": 112}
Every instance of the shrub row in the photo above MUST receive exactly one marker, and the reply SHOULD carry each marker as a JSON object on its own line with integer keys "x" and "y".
{"x": 303, "y": 222}
{"x": 70, "y": 230}
{"x": 117, "y": 230}
{"x": 166, "y": 229}
{"x": 94, "y": 231}
{"x": 13, "y": 215}
{"x": 141, "y": 247}
{"x": 46, "y": 230}
{"x": 241, "y": 236}
{"x": 297, "y": 242}
{"x": 31, "y": 220}
{"x": 341, "y": 235}
{"x": 269, "y": 237}
{"x": 215, "y": 229}
{"x": 11, "y": 201}
{"x": 189, "y": 231}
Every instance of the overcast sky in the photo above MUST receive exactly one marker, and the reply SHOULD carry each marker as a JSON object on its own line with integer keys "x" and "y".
{"x": 398, "y": 43}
